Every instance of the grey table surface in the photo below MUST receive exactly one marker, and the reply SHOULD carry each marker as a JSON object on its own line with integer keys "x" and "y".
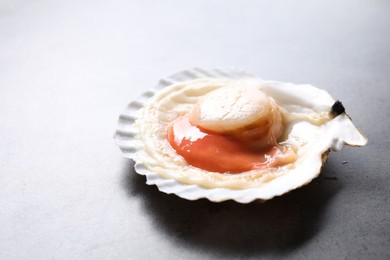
{"x": 69, "y": 68}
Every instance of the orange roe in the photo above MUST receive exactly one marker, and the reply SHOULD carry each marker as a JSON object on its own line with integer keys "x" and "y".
{"x": 222, "y": 153}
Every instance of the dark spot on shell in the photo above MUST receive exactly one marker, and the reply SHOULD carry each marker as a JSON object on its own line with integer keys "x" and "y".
{"x": 337, "y": 108}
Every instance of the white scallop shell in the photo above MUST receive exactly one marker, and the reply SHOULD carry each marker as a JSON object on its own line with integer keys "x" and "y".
{"x": 337, "y": 133}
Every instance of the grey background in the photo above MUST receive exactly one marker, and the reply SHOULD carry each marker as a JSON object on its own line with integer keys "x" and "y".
{"x": 67, "y": 70}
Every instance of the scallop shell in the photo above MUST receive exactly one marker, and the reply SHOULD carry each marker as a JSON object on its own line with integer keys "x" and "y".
{"x": 339, "y": 131}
